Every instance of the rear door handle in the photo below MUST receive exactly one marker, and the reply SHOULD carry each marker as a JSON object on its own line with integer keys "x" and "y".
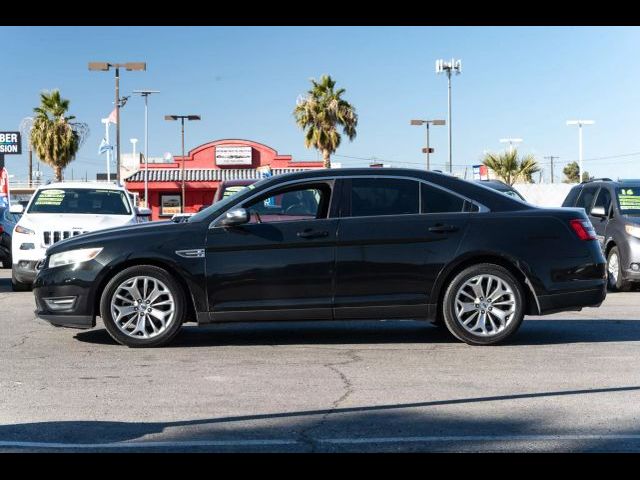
{"x": 443, "y": 228}
{"x": 312, "y": 234}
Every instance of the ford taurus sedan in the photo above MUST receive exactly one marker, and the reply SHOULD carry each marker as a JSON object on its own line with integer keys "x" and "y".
{"x": 331, "y": 245}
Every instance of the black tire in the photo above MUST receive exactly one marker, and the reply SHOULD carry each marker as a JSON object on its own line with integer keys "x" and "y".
{"x": 18, "y": 286}
{"x": 450, "y": 318}
{"x": 148, "y": 271}
{"x": 619, "y": 284}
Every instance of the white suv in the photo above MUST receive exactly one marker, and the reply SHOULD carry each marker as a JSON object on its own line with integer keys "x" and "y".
{"x": 58, "y": 211}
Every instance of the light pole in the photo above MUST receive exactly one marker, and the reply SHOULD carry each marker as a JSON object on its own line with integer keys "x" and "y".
{"x": 427, "y": 123}
{"x": 103, "y": 67}
{"x": 145, "y": 94}
{"x": 447, "y": 67}
{"x": 182, "y": 119}
{"x": 580, "y": 123}
{"x": 510, "y": 141}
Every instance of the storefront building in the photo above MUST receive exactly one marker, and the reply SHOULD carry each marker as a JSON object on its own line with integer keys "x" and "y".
{"x": 206, "y": 167}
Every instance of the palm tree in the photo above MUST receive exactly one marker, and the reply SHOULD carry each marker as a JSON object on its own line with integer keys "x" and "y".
{"x": 319, "y": 115}
{"x": 55, "y": 139}
{"x": 509, "y": 168}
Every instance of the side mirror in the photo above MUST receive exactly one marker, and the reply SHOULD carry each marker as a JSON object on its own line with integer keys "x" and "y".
{"x": 237, "y": 216}
{"x": 598, "y": 212}
{"x": 143, "y": 212}
{"x": 16, "y": 208}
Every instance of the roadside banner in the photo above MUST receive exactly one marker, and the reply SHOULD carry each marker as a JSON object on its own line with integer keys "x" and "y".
{"x": 4, "y": 188}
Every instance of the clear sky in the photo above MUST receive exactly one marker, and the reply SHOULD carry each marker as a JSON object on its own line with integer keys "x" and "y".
{"x": 516, "y": 82}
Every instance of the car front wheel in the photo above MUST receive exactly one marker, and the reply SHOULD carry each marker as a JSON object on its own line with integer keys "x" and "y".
{"x": 143, "y": 306}
{"x": 615, "y": 281}
{"x": 483, "y": 305}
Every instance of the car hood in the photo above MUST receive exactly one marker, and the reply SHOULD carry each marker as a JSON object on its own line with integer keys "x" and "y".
{"x": 57, "y": 221}
{"x": 102, "y": 236}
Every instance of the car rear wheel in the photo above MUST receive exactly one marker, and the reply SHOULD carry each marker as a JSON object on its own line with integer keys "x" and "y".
{"x": 143, "y": 306}
{"x": 483, "y": 305}
{"x": 615, "y": 281}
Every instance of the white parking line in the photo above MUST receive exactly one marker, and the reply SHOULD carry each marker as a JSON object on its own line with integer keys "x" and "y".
{"x": 335, "y": 441}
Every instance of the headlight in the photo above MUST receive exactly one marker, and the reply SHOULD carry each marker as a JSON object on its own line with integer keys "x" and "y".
{"x": 25, "y": 231}
{"x": 633, "y": 230}
{"x": 73, "y": 256}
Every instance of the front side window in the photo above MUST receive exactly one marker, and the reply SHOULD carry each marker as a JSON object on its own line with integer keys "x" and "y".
{"x": 291, "y": 204}
{"x": 603, "y": 199}
{"x": 384, "y": 196}
{"x": 585, "y": 200}
{"x": 81, "y": 201}
{"x": 436, "y": 200}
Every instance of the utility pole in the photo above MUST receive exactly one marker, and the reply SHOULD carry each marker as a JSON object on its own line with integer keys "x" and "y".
{"x": 551, "y": 158}
{"x": 449, "y": 67}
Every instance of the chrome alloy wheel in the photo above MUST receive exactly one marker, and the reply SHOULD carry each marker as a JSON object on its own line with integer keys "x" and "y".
{"x": 485, "y": 305}
{"x": 142, "y": 307}
{"x": 612, "y": 268}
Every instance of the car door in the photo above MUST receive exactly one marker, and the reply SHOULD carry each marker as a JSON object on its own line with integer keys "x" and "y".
{"x": 279, "y": 265}
{"x": 603, "y": 199}
{"x": 394, "y": 236}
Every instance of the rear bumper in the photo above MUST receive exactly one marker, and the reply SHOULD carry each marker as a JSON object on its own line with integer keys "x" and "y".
{"x": 572, "y": 301}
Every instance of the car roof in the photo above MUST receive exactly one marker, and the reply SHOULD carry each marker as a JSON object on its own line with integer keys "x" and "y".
{"x": 91, "y": 185}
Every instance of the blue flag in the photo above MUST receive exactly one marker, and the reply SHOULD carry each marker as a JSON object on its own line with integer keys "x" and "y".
{"x": 104, "y": 147}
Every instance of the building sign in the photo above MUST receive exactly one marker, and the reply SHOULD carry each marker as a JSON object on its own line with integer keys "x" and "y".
{"x": 10, "y": 143}
{"x": 170, "y": 205}
{"x": 233, "y": 155}
{"x": 480, "y": 172}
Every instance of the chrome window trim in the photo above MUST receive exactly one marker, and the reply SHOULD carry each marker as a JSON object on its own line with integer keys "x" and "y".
{"x": 481, "y": 208}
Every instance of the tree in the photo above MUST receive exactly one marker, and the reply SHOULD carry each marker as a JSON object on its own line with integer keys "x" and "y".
{"x": 510, "y": 168}
{"x": 319, "y": 115}
{"x": 572, "y": 173}
{"x": 54, "y": 137}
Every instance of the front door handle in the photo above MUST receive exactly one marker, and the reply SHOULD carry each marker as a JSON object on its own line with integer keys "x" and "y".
{"x": 443, "y": 228}
{"x": 308, "y": 233}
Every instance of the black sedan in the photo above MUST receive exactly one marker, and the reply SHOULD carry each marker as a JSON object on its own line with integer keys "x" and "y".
{"x": 331, "y": 245}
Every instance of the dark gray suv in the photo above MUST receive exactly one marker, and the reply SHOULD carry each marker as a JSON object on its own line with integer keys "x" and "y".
{"x": 614, "y": 210}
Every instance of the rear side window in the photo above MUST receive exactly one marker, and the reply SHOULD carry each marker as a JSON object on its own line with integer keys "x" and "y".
{"x": 384, "y": 196}
{"x": 603, "y": 199}
{"x": 585, "y": 200}
{"x": 571, "y": 197}
{"x": 436, "y": 200}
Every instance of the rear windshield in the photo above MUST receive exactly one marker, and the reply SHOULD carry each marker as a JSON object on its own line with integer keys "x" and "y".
{"x": 629, "y": 200}
{"x": 80, "y": 201}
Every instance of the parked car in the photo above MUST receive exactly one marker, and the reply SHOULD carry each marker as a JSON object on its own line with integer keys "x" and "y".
{"x": 614, "y": 210}
{"x": 502, "y": 188}
{"x": 8, "y": 222}
{"x": 331, "y": 245}
{"x": 58, "y": 211}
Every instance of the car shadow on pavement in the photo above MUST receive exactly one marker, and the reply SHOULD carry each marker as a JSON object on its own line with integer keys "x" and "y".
{"x": 356, "y": 428}
{"x": 532, "y": 332}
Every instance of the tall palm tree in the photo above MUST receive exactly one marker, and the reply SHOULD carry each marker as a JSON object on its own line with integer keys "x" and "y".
{"x": 510, "y": 168}
{"x": 54, "y": 137}
{"x": 319, "y": 115}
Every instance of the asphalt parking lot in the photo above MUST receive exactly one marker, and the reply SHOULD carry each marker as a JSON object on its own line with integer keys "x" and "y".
{"x": 566, "y": 382}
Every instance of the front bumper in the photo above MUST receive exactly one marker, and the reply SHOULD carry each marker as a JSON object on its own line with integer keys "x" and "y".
{"x": 25, "y": 270}
{"x": 64, "y": 296}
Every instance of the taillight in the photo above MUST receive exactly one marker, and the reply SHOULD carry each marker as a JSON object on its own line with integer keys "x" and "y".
{"x": 583, "y": 229}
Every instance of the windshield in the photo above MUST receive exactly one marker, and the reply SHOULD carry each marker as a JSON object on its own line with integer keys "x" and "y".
{"x": 629, "y": 200}
{"x": 512, "y": 193}
{"x": 232, "y": 190}
{"x": 219, "y": 206}
{"x": 81, "y": 201}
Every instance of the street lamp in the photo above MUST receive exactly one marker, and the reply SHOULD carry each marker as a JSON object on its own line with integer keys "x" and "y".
{"x": 427, "y": 123}
{"x": 580, "y": 123}
{"x": 129, "y": 66}
{"x": 145, "y": 94}
{"x": 510, "y": 141}
{"x": 447, "y": 67}
{"x": 182, "y": 119}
